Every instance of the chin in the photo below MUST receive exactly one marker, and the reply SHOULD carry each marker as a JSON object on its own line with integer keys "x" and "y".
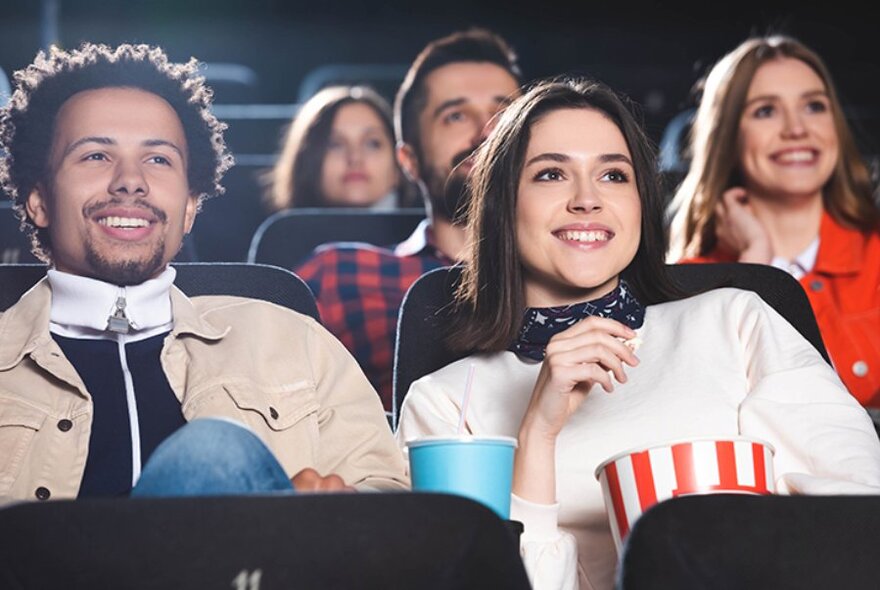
{"x": 127, "y": 271}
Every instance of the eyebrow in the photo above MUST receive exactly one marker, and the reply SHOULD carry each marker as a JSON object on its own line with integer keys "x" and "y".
{"x": 110, "y": 141}
{"x": 561, "y": 158}
{"x": 455, "y": 102}
{"x": 808, "y": 94}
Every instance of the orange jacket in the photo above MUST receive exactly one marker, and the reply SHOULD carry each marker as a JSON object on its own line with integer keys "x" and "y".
{"x": 844, "y": 290}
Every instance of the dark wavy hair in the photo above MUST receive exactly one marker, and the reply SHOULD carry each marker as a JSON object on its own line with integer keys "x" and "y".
{"x": 472, "y": 45}
{"x": 490, "y": 300}
{"x": 27, "y": 123}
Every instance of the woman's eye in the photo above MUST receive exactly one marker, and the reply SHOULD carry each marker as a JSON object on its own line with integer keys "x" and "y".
{"x": 618, "y": 176}
{"x": 97, "y": 157}
{"x": 550, "y": 175}
{"x": 816, "y": 106}
{"x": 764, "y": 111}
{"x": 374, "y": 144}
{"x": 335, "y": 144}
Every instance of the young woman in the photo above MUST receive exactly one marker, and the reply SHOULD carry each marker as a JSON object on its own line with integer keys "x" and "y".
{"x": 776, "y": 178}
{"x": 339, "y": 152}
{"x": 565, "y": 266}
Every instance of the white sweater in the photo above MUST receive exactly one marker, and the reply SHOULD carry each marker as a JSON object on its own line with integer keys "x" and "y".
{"x": 717, "y": 364}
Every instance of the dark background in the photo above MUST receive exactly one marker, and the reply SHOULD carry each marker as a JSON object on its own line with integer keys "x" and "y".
{"x": 652, "y": 51}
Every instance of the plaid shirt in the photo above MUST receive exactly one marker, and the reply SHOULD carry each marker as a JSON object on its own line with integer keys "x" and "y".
{"x": 359, "y": 289}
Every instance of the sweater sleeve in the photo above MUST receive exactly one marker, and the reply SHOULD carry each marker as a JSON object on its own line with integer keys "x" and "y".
{"x": 825, "y": 442}
{"x": 549, "y": 554}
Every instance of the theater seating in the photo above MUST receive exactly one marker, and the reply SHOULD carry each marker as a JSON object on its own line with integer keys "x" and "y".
{"x": 275, "y": 285}
{"x": 368, "y": 540}
{"x": 735, "y": 541}
{"x": 426, "y": 309}
{"x": 287, "y": 238}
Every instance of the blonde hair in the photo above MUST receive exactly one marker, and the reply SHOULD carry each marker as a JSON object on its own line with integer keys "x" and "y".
{"x": 847, "y": 196}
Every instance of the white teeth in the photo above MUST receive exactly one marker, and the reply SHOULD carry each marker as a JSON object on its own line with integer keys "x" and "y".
{"x": 124, "y": 222}
{"x": 584, "y": 236}
{"x": 799, "y": 156}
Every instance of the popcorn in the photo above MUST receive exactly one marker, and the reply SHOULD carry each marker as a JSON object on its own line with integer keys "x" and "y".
{"x": 633, "y": 343}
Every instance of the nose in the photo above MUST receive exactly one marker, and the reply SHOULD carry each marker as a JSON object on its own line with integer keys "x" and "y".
{"x": 128, "y": 179}
{"x": 794, "y": 127}
{"x": 584, "y": 199}
{"x": 355, "y": 154}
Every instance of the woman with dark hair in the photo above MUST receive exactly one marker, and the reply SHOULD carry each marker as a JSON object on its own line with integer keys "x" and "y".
{"x": 776, "y": 178}
{"x": 585, "y": 348}
{"x": 339, "y": 152}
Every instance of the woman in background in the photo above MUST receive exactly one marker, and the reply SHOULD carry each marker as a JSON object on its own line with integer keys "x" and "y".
{"x": 339, "y": 152}
{"x": 776, "y": 178}
{"x": 585, "y": 348}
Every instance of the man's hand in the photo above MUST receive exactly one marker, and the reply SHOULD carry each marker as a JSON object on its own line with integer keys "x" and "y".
{"x": 309, "y": 480}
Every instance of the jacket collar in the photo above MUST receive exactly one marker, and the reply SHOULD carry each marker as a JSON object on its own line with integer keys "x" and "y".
{"x": 841, "y": 249}
{"x": 24, "y": 327}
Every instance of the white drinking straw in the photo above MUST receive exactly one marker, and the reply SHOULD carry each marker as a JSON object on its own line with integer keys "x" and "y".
{"x": 466, "y": 398}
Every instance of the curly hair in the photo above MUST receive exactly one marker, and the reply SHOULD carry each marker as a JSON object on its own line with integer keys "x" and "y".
{"x": 27, "y": 122}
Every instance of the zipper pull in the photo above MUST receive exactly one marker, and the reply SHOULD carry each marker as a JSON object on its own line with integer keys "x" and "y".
{"x": 118, "y": 321}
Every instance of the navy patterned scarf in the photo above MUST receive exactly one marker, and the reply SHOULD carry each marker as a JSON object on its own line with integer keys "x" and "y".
{"x": 542, "y": 323}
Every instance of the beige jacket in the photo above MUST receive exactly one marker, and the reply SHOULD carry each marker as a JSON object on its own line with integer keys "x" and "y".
{"x": 279, "y": 372}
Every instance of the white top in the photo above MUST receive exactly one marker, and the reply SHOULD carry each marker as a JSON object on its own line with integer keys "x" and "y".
{"x": 801, "y": 264}
{"x": 717, "y": 364}
{"x": 81, "y": 306}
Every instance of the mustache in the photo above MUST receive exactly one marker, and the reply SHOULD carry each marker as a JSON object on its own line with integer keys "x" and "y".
{"x": 94, "y": 208}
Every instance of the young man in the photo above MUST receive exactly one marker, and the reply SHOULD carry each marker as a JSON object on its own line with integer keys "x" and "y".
{"x": 442, "y": 113}
{"x": 109, "y": 154}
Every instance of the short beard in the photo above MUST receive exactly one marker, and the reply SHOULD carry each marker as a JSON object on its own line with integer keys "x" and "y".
{"x": 449, "y": 195}
{"x": 126, "y": 272}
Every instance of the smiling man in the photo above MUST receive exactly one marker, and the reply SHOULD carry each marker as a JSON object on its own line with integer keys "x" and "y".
{"x": 444, "y": 110}
{"x": 109, "y": 153}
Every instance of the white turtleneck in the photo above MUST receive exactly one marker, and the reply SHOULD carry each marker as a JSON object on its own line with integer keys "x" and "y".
{"x": 81, "y": 308}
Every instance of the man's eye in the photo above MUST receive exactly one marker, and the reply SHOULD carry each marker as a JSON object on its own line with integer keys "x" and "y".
{"x": 454, "y": 117}
{"x": 160, "y": 160}
{"x": 96, "y": 157}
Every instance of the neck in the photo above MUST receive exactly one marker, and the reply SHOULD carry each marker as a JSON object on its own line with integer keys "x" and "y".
{"x": 791, "y": 223}
{"x": 450, "y": 239}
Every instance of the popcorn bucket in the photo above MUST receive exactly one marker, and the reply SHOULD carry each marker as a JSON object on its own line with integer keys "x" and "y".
{"x": 635, "y": 480}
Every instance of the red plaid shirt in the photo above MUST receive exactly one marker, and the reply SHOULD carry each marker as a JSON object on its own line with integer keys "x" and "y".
{"x": 359, "y": 289}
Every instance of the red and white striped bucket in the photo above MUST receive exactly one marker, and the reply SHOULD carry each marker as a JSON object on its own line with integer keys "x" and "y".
{"x": 635, "y": 480}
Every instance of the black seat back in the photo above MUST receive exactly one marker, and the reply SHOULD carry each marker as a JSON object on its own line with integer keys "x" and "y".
{"x": 288, "y": 237}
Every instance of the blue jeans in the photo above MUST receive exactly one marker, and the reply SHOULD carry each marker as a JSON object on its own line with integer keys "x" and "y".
{"x": 212, "y": 457}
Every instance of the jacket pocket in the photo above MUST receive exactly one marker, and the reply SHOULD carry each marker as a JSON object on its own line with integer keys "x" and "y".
{"x": 19, "y": 424}
{"x": 280, "y": 407}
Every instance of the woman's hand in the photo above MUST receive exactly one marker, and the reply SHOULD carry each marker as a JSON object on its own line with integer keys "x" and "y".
{"x": 739, "y": 231}
{"x": 590, "y": 352}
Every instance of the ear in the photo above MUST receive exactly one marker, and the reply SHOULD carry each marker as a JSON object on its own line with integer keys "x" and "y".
{"x": 408, "y": 160}
{"x": 189, "y": 216}
{"x": 37, "y": 207}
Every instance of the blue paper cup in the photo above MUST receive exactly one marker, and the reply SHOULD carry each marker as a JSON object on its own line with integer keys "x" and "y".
{"x": 476, "y": 467}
